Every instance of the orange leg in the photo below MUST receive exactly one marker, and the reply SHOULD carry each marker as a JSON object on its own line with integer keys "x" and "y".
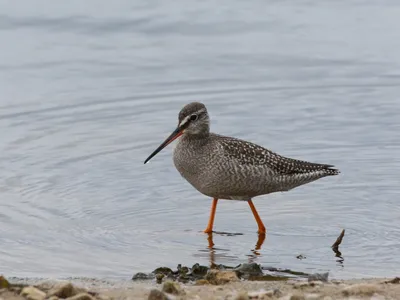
{"x": 212, "y": 215}
{"x": 261, "y": 227}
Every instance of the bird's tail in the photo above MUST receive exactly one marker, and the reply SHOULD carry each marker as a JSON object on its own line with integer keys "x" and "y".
{"x": 330, "y": 170}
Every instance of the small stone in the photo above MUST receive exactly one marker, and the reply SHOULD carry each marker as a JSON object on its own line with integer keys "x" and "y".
{"x": 184, "y": 278}
{"x": 221, "y": 267}
{"x": 159, "y": 278}
{"x": 4, "y": 284}
{"x": 221, "y": 277}
{"x": 300, "y": 285}
{"x": 202, "y": 282}
{"x": 242, "y": 296}
{"x": 316, "y": 283}
{"x": 142, "y": 276}
{"x": 297, "y": 297}
{"x": 157, "y": 295}
{"x": 182, "y": 269}
{"x": 163, "y": 270}
{"x": 171, "y": 287}
{"x": 319, "y": 277}
{"x": 246, "y": 270}
{"x": 32, "y": 293}
{"x": 81, "y": 296}
{"x": 364, "y": 289}
{"x": 65, "y": 290}
{"x": 199, "y": 271}
{"x": 52, "y": 298}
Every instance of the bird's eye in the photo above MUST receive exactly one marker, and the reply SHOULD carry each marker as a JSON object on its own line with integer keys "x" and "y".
{"x": 193, "y": 117}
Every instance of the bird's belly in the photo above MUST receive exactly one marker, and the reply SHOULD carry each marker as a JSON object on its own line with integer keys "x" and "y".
{"x": 226, "y": 182}
{"x": 239, "y": 184}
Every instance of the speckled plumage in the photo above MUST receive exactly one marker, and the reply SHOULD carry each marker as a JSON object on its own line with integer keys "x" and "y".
{"x": 228, "y": 168}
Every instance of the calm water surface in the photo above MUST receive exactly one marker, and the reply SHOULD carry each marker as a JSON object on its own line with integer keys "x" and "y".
{"x": 89, "y": 89}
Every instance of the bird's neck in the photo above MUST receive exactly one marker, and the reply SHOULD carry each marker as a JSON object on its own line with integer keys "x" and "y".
{"x": 198, "y": 138}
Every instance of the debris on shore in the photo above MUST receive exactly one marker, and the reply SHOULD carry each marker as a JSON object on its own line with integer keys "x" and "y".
{"x": 335, "y": 245}
{"x": 198, "y": 273}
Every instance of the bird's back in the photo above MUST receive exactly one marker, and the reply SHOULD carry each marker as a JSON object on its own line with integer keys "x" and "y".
{"x": 230, "y": 168}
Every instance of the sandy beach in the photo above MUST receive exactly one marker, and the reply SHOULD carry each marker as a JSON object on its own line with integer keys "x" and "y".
{"x": 221, "y": 285}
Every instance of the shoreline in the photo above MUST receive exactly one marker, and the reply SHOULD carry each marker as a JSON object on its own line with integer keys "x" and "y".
{"x": 219, "y": 285}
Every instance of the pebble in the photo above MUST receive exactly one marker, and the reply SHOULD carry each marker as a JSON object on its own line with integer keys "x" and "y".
{"x": 157, "y": 295}
{"x": 297, "y": 297}
{"x": 142, "y": 276}
{"x": 218, "y": 277}
{"x": 242, "y": 296}
{"x": 182, "y": 269}
{"x": 163, "y": 270}
{"x": 202, "y": 282}
{"x": 198, "y": 270}
{"x": 159, "y": 278}
{"x": 171, "y": 287}
{"x": 316, "y": 283}
{"x": 299, "y": 285}
{"x": 32, "y": 293}
{"x": 64, "y": 290}
{"x": 251, "y": 269}
{"x": 81, "y": 296}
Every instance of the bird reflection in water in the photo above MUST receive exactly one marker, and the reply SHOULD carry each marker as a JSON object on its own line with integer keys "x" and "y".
{"x": 212, "y": 250}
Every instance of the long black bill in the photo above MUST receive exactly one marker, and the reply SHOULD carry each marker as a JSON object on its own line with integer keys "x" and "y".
{"x": 174, "y": 135}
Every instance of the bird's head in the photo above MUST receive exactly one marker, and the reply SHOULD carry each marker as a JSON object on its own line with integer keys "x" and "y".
{"x": 193, "y": 120}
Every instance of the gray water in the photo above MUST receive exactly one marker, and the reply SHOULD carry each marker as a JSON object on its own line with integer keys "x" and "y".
{"x": 88, "y": 89}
